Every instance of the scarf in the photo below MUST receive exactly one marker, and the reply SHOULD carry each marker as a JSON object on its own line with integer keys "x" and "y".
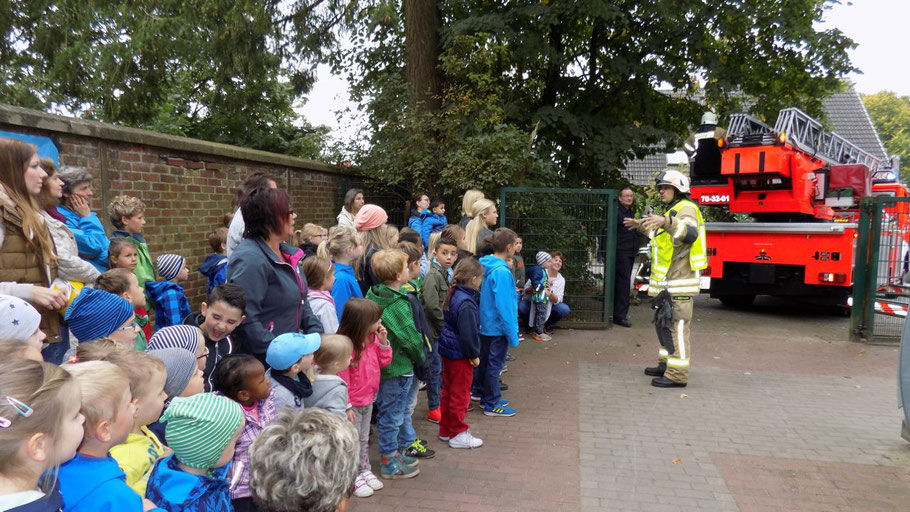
{"x": 300, "y": 387}
{"x": 320, "y": 293}
{"x": 52, "y": 211}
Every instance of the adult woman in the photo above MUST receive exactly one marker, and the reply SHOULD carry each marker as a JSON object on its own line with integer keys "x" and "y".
{"x": 485, "y": 216}
{"x": 556, "y": 308}
{"x": 353, "y": 202}
{"x": 28, "y": 263}
{"x": 419, "y": 204}
{"x": 70, "y": 267}
{"x": 467, "y": 205}
{"x": 267, "y": 269}
{"x": 236, "y": 228}
{"x": 371, "y": 224}
{"x": 85, "y": 225}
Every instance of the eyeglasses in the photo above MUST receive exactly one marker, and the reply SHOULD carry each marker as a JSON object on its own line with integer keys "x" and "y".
{"x": 203, "y": 356}
{"x": 127, "y": 328}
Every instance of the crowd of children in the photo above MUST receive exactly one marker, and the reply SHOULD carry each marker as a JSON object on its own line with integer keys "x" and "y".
{"x": 169, "y": 418}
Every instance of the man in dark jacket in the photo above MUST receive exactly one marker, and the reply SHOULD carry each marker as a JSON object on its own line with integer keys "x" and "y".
{"x": 626, "y": 248}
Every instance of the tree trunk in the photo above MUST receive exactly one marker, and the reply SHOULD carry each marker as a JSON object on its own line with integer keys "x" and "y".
{"x": 421, "y": 33}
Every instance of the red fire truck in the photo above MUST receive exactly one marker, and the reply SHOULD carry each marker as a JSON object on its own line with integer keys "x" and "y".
{"x": 800, "y": 187}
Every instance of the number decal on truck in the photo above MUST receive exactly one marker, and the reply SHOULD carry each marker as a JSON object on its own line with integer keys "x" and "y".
{"x": 715, "y": 198}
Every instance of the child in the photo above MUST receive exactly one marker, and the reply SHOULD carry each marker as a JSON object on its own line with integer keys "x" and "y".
{"x": 518, "y": 265}
{"x": 92, "y": 480}
{"x": 320, "y": 278}
{"x": 456, "y": 232}
{"x": 392, "y": 234}
{"x": 290, "y": 356}
{"x": 459, "y": 347}
{"x": 15, "y": 349}
{"x": 241, "y": 377}
{"x": 202, "y": 431}
{"x": 23, "y": 322}
{"x": 537, "y": 274}
{"x": 187, "y": 337}
{"x": 310, "y": 237}
{"x": 433, "y": 220}
{"x": 343, "y": 248}
{"x": 411, "y": 236}
{"x": 325, "y": 441}
{"x": 362, "y": 323}
{"x": 391, "y": 267}
{"x": 99, "y": 314}
{"x": 128, "y": 216}
{"x": 124, "y": 283}
{"x": 217, "y": 318}
{"x": 330, "y": 392}
{"x": 183, "y": 377}
{"x": 498, "y": 322}
{"x": 171, "y": 306}
{"x": 214, "y": 267}
{"x": 433, "y": 292}
{"x": 413, "y": 253}
{"x": 41, "y": 409}
{"x": 147, "y": 376}
{"x": 122, "y": 254}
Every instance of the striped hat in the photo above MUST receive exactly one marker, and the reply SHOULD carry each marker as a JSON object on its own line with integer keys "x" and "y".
{"x": 96, "y": 314}
{"x": 180, "y": 366}
{"x": 175, "y": 336}
{"x": 199, "y": 428}
{"x": 542, "y": 257}
{"x": 169, "y": 265}
{"x": 18, "y": 319}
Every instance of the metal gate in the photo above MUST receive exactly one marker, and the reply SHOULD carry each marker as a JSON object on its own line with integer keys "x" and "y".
{"x": 581, "y": 224}
{"x": 881, "y": 292}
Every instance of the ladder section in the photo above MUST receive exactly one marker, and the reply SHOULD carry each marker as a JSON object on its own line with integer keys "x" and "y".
{"x": 810, "y": 136}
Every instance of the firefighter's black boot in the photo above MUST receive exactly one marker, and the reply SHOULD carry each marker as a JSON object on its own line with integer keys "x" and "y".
{"x": 656, "y": 371}
{"x": 663, "y": 382}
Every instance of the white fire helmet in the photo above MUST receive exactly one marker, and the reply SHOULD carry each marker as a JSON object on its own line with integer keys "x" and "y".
{"x": 674, "y": 179}
{"x": 709, "y": 118}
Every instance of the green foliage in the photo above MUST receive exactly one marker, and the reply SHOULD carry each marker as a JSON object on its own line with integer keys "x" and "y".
{"x": 891, "y": 115}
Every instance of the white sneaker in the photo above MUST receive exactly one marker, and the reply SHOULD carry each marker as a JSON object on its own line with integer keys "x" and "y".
{"x": 465, "y": 440}
{"x": 374, "y": 483}
{"x": 361, "y": 488}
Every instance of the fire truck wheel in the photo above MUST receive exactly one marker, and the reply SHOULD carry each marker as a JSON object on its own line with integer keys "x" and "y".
{"x": 737, "y": 301}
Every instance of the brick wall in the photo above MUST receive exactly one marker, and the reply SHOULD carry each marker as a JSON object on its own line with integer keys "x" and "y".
{"x": 187, "y": 185}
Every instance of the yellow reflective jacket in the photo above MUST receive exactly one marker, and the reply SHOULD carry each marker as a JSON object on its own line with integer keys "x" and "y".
{"x": 675, "y": 259}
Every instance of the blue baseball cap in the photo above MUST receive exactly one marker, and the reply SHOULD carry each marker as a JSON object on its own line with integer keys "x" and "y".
{"x": 286, "y": 349}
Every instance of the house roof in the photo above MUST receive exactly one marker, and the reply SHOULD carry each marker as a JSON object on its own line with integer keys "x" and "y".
{"x": 848, "y": 117}
{"x": 641, "y": 171}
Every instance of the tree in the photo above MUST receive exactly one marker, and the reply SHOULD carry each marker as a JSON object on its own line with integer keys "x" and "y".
{"x": 586, "y": 77}
{"x": 891, "y": 115}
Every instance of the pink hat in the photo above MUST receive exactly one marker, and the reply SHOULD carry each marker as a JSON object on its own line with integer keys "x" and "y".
{"x": 370, "y": 217}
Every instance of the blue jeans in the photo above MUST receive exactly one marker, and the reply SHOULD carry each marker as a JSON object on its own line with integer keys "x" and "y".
{"x": 559, "y": 311}
{"x": 392, "y": 402}
{"x": 54, "y": 352}
{"x": 406, "y": 434}
{"x": 486, "y": 375}
{"x": 434, "y": 381}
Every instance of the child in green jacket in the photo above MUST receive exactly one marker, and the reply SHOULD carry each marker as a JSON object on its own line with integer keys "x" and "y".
{"x": 128, "y": 216}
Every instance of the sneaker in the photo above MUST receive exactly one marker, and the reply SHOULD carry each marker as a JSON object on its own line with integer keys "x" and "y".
{"x": 444, "y": 438}
{"x": 505, "y": 368}
{"x": 475, "y": 398}
{"x": 465, "y": 440}
{"x": 374, "y": 483}
{"x": 393, "y": 469}
{"x": 422, "y": 442}
{"x": 407, "y": 461}
{"x": 419, "y": 451}
{"x": 503, "y": 402}
{"x": 503, "y": 386}
{"x": 422, "y": 386}
{"x": 434, "y": 415}
{"x": 521, "y": 337}
{"x": 499, "y": 411}
{"x": 361, "y": 488}
{"x": 541, "y": 336}
{"x": 509, "y": 357}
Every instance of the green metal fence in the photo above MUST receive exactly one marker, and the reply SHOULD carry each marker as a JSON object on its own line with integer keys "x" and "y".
{"x": 581, "y": 224}
{"x": 881, "y": 295}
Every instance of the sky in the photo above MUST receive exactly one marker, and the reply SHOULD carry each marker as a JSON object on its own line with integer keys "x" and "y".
{"x": 879, "y": 27}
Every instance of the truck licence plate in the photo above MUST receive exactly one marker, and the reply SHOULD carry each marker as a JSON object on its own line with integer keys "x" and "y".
{"x": 704, "y": 282}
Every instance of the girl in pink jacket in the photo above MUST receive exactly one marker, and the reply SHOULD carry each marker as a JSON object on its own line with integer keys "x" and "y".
{"x": 361, "y": 321}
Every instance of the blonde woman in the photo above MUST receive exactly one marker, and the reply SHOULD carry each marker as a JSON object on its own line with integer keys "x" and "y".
{"x": 467, "y": 203}
{"x": 486, "y": 216}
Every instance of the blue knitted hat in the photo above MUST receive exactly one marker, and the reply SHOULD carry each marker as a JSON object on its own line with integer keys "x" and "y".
{"x": 169, "y": 265}
{"x": 96, "y": 314}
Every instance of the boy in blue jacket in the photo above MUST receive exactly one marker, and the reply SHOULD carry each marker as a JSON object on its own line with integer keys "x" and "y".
{"x": 214, "y": 267}
{"x": 433, "y": 220}
{"x": 498, "y": 322}
{"x": 171, "y": 306}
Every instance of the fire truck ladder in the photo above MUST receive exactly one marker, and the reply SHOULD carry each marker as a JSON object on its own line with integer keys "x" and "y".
{"x": 809, "y": 135}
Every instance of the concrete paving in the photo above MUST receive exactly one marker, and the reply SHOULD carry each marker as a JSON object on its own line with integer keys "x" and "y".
{"x": 781, "y": 413}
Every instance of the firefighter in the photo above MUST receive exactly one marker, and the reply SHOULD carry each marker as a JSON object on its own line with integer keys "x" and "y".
{"x": 702, "y": 148}
{"x": 678, "y": 253}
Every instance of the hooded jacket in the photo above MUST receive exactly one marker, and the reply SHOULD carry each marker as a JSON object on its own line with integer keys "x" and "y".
{"x": 363, "y": 377}
{"x": 175, "y": 490}
{"x": 91, "y": 239}
{"x": 323, "y": 307}
{"x": 70, "y": 266}
{"x": 171, "y": 306}
{"x": 276, "y": 295}
{"x": 345, "y": 287}
{"x": 498, "y": 307}
{"x": 145, "y": 268}
{"x": 416, "y": 220}
{"x": 330, "y": 392}
{"x": 398, "y": 319}
{"x": 216, "y": 348}
{"x": 96, "y": 484}
{"x": 430, "y": 223}
{"x": 433, "y": 292}
{"x": 459, "y": 338}
{"x": 214, "y": 268}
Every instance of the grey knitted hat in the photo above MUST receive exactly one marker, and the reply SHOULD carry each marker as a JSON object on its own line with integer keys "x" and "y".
{"x": 180, "y": 365}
